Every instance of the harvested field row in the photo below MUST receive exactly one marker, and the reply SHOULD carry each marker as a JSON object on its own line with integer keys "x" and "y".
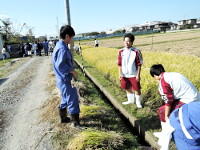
{"x": 185, "y": 42}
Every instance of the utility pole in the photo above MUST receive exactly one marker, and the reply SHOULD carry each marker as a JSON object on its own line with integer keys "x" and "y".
{"x": 57, "y": 27}
{"x": 67, "y": 11}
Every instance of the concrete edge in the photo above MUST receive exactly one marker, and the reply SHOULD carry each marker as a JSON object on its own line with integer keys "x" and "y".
{"x": 147, "y": 136}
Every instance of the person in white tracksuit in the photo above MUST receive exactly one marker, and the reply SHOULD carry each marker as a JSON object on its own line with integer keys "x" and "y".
{"x": 175, "y": 89}
{"x": 129, "y": 63}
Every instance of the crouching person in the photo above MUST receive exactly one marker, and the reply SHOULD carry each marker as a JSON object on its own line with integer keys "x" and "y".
{"x": 64, "y": 71}
{"x": 183, "y": 126}
{"x": 175, "y": 89}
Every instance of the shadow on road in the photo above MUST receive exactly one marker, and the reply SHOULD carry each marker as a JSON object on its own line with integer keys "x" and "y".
{"x": 3, "y": 80}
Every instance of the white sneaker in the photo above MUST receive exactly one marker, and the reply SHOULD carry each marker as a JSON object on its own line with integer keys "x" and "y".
{"x": 138, "y": 101}
{"x": 127, "y": 102}
{"x": 139, "y": 105}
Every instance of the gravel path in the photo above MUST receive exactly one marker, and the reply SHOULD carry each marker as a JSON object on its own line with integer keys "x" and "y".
{"x": 21, "y": 98}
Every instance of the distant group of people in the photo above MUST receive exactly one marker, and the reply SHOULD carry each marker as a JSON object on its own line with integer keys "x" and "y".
{"x": 37, "y": 47}
{"x": 28, "y": 49}
{"x": 179, "y": 115}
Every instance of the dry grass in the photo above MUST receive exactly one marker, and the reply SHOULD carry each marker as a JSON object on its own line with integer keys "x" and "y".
{"x": 94, "y": 139}
{"x": 186, "y": 47}
{"x": 50, "y": 108}
{"x": 10, "y": 65}
{"x": 185, "y": 42}
{"x": 103, "y": 127}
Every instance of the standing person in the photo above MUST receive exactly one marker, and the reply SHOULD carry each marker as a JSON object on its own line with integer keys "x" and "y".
{"x": 129, "y": 63}
{"x": 34, "y": 48}
{"x": 51, "y": 47}
{"x": 64, "y": 71}
{"x": 46, "y": 47}
{"x": 175, "y": 89}
{"x": 22, "y": 49}
{"x": 3, "y": 52}
{"x": 27, "y": 48}
{"x": 96, "y": 43}
{"x": 39, "y": 47}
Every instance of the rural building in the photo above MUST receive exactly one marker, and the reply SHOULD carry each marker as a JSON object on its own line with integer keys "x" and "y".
{"x": 197, "y": 24}
{"x": 188, "y": 24}
{"x": 133, "y": 28}
{"x": 163, "y": 26}
{"x": 156, "y": 26}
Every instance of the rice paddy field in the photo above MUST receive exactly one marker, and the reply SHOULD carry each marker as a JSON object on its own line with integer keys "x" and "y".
{"x": 184, "y": 42}
{"x": 177, "y": 51}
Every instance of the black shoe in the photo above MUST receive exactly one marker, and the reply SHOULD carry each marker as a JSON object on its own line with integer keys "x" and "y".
{"x": 75, "y": 120}
{"x": 63, "y": 116}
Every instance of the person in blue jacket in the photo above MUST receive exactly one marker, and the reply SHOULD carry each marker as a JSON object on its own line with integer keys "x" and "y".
{"x": 46, "y": 47}
{"x": 186, "y": 122}
{"x": 64, "y": 71}
{"x": 183, "y": 126}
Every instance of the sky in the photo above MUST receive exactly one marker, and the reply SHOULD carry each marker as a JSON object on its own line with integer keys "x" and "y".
{"x": 45, "y": 17}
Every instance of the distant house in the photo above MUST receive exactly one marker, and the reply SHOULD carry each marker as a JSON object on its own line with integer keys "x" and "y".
{"x": 163, "y": 26}
{"x": 143, "y": 27}
{"x": 188, "y": 24}
{"x": 197, "y": 23}
{"x": 182, "y": 22}
{"x": 174, "y": 26}
{"x": 191, "y": 21}
{"x": 132, "y": 28}
{"x": 156, "y": 26}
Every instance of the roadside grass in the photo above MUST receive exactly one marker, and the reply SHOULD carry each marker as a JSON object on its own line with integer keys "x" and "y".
{"x": 145, "y": 115}
{"x": 7, "y": 66}
{"x": 103, "y": 128}
{"x": 3, "y": 62}
{"x": 94, "y": 139}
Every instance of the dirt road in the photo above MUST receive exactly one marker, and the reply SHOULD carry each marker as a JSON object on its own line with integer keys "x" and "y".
{"x": 22, "y": 95}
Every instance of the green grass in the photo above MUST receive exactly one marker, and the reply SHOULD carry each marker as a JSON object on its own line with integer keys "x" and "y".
{"x": 145, "y": 115}
{"x": 101, "y": 63}
{"x": 105, "y": 130}
{"x": 3, "y": 69}
{"x": 94, "y": 139}
{"x": 4, "y": 62}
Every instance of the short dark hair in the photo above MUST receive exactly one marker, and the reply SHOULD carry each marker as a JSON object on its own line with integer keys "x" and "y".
{"x": 130, "y": 36}
{"x": 66, "y": 30}
{"x": 156, "y": 69}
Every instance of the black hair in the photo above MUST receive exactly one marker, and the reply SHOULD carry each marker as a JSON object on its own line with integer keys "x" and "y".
{"x": 156, "y": 69}
{"x": 130, "y": 36}
{"x": 66, "y": 30}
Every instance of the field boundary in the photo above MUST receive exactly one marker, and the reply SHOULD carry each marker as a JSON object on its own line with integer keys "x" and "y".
{"x": 133, "y": 120}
